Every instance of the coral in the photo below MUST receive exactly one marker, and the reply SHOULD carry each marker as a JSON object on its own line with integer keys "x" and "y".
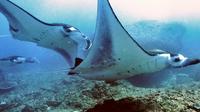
{"x": 80, "y": 95}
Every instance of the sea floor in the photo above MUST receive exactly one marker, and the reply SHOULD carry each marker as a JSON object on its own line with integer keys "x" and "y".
{"x": 57, "y": 92}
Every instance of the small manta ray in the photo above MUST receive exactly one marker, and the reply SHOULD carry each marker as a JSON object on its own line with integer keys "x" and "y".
{"x": 113, "y": 54}
{"x": 20, "y": 59}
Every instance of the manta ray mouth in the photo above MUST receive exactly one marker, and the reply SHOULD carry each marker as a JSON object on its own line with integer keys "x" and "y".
{"x": 13, "y": 29}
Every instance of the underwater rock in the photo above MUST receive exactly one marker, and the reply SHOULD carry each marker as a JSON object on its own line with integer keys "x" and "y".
{"x": 53, "y": 103}
{"x": 127, "y": 105}
{"x": 28, "y": 109}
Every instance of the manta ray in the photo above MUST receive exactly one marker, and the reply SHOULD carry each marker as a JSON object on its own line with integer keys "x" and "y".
{"x": 112, "y": 55}
{"x": 63, "y": 38}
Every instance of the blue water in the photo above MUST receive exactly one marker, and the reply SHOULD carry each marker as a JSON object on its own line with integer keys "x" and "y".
{"x": 175, "y": 36}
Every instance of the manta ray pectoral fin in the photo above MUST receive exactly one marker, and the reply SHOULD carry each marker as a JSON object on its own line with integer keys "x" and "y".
{"x": 114, "y": 51}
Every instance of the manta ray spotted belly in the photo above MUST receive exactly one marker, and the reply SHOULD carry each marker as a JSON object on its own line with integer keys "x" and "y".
{"x": 113, "y": 54}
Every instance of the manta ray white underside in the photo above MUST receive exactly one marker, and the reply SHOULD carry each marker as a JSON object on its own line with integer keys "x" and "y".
{"x": 113, "y": 54}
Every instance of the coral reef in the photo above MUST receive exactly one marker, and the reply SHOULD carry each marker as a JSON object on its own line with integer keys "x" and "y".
{"x": 61, "y": 93}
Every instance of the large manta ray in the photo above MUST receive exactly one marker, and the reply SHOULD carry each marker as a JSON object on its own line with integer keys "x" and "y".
{"x": 113, "y": 55}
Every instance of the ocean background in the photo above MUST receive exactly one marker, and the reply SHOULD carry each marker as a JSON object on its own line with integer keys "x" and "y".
{"x": 173, "y": 34}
